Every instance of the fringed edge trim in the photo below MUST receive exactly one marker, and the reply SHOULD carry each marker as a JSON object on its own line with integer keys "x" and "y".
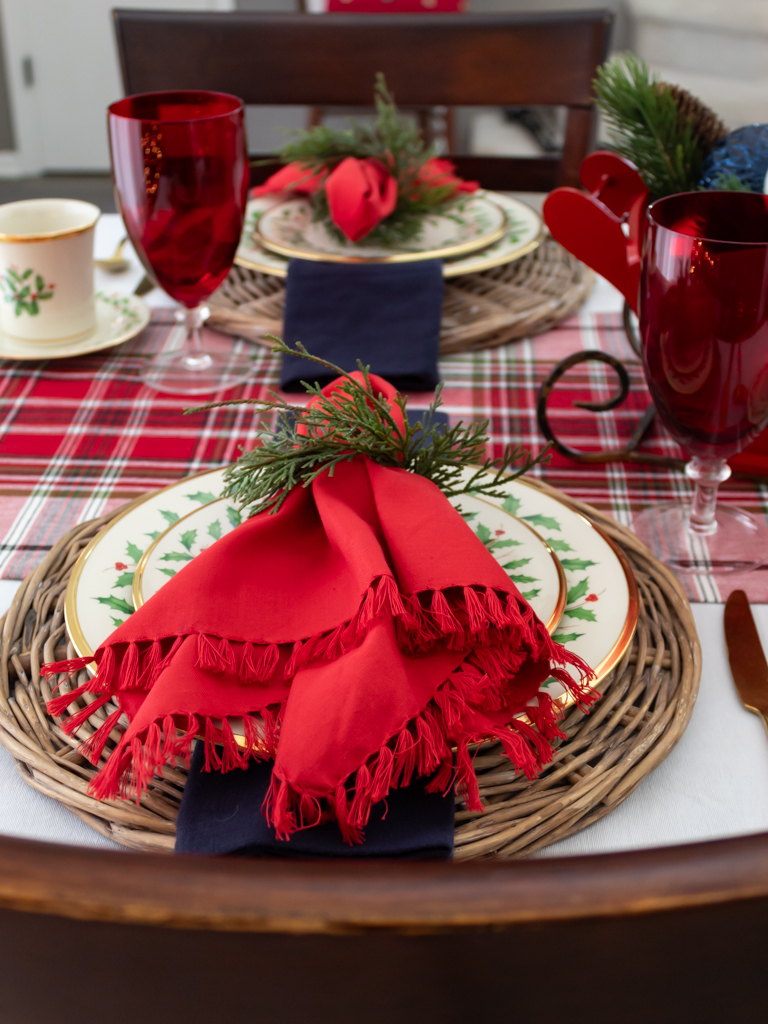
{"x": 458, "y": 618}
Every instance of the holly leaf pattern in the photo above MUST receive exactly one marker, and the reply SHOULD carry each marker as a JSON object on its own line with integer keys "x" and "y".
{"x": 167, "y": 572}
{"x": 170, "y": 517}
{"x": 530, "y": 594}
{"x": 176, "y": 556}
{"x": 545, "y": 522}
{"x": 483, "y": 533}
{"x": 234, "y": 517}
{"x": 204, "y": 497}
{"x": 116, "y": 603}
{"x": 522, "y": 579}
{"x": 517, "y": 564}
{"x": 215, "y": 529}
{"x": 125, "y": 579}
{"x": 153, "y": 535}
{"x": 134, "y": 552}
{"x": 509, "y": 543}
{"x": 578, "y": 590}
{"x": 566, "y": 638}
{"x": 581, "y": 613}
{"x": 511, "y": 504}
{"x": 574, "y": 564}
{"x": 188, "y": 538}
{"x": 559, "y": 545}
{"x": 116, "y": 622}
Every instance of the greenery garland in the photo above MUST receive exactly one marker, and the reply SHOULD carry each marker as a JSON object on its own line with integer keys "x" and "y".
{"x": 359, "y": 421}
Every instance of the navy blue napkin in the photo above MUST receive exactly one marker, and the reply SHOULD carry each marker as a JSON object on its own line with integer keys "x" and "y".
{"x": 221, "y": 814}
{"x": 387, "y": 315}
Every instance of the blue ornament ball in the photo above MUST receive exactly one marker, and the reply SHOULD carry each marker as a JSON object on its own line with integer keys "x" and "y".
{"x": 743, "y": 153}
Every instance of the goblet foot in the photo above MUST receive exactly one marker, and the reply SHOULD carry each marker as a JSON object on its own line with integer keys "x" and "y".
{"x": 191, "y": 373}
{"x": 738, "y": 543}
{"x": 189, "y": 367}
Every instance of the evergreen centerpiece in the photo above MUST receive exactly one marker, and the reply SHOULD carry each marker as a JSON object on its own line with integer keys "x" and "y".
{"x": 663, "y": 130}
{"x": 369, "y": 181}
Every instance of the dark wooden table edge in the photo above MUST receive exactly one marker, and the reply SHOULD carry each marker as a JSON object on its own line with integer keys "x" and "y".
{"x": 340, "y": 897}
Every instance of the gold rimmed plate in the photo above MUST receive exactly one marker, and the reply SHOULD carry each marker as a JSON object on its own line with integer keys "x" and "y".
{"x": 601, "y": 600}
{"x": 525, "y": 556}
{"x": 523, "y": 234}
{"x": 472, "y": 222}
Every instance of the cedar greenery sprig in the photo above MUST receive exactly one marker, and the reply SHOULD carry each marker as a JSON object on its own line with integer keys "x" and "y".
{"x": 358, "y": 421}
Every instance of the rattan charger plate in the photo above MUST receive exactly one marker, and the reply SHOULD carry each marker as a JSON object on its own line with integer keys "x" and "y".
{"x": 646, "y": 704}
{"x": 519, "y": 299}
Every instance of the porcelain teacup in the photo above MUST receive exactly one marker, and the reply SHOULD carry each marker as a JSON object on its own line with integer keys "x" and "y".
{"x": 46, "y": 268}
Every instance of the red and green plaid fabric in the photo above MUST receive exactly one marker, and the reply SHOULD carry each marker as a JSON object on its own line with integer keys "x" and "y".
{"x": 80, "y": 436}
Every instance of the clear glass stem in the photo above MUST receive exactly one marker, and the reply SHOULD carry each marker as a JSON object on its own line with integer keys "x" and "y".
{"x": 192, "y": 321}
{"x": 707, "y": 475}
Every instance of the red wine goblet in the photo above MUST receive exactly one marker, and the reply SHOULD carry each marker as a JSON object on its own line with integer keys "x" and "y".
{"x": 704, "y": 332}
{"x": 180, "y": 166}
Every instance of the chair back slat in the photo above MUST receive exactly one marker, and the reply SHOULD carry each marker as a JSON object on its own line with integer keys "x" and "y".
{"x": 429, "y": 60}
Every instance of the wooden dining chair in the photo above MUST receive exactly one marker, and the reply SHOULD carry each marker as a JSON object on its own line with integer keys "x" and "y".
{"x": 429, "y": 60}
{"x": 671, "y": 936}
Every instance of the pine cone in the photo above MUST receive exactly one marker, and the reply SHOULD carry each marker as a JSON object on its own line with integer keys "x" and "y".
{"x": 707, "y": 126}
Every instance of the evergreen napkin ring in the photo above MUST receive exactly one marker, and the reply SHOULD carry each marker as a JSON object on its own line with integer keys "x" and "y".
{"x": 373, "y": 182}
{"x": 354, "y": 628}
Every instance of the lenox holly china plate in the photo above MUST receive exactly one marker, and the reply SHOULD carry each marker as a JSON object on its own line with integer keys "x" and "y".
{"x": 523, "y": 232}
{"x": 471, "y": 222}
{"x": 99, "y": 591}
{"x": 601, "y": 604}
{"x": 528, "y": 560}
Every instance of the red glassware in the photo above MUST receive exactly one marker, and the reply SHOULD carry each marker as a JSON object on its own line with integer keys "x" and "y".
{"x": 704, "y": 331}
{"x": 180, "y": 166}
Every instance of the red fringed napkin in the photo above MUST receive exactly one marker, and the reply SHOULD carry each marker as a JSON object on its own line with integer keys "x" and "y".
{"x": 359, "y": 635}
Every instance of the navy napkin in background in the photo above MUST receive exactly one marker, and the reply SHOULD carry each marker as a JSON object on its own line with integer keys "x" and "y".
{"x": 221, "y": 814}
{"x": 387, "y": 315}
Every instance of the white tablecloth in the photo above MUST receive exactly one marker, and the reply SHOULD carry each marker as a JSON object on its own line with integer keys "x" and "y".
{"x": 713, "y": 784}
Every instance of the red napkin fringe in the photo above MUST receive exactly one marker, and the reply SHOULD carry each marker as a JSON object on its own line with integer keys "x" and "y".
{"x": 437, "y": 740}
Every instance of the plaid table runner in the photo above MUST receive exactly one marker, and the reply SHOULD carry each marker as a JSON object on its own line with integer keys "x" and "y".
{"x": 79, "y": 437}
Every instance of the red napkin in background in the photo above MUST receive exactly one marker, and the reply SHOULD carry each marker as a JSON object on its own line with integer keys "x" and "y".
{"x": 294, "y": 178}
{"x": 358, "y": 636}
{"x": 437, "y": 173}
{"x": 361, "y": 193}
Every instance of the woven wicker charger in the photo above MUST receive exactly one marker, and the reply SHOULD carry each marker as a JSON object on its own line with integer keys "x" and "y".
{"x": 646, "y": 704}
{"x": 525, "y": 297}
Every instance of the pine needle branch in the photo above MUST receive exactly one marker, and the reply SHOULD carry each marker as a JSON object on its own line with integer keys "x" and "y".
{"x": 641, "y": 114}
{"x": 357, "y": 420}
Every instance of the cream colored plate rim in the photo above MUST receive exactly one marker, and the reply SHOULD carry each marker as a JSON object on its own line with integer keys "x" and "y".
{"x": 471, "y": 264}
{"x": 446, "y": 252}
{"x": 551, "y": 623}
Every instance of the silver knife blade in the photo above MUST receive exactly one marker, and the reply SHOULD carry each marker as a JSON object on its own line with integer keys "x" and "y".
{"x": 745, "y": 655}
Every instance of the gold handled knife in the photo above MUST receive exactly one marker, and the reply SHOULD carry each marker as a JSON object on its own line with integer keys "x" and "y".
{"x": 745, "y": 654}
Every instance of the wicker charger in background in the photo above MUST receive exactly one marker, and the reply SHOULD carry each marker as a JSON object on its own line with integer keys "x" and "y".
{"x": 646, "y": 705}
{"x": 516, "y": 300}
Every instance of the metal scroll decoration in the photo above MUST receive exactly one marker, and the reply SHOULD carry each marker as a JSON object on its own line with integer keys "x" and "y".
{"x": 630, "y": 452}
